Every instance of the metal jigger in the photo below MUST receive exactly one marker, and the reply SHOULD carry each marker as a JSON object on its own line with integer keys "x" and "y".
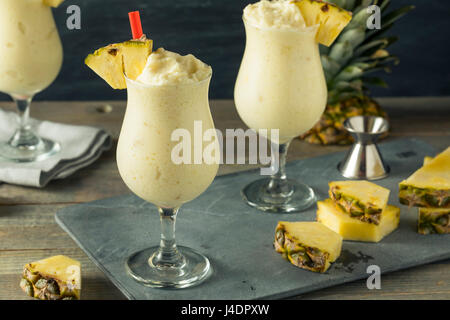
{"x": 364, "y": 160}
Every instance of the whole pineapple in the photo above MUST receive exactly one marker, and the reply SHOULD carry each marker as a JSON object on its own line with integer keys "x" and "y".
{"x": 355, "y": 54}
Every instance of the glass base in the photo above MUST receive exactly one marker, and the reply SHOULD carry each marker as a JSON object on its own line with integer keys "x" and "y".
{"x": 295, "y": 196}
{"x": 194, "y": 269}
{"x": 43, "y": 149}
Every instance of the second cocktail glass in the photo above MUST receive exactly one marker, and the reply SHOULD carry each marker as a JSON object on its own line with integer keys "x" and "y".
{"x": 144, "y": 158}
{"x": 30, "y": 59}
{"x": 280, "y": 85}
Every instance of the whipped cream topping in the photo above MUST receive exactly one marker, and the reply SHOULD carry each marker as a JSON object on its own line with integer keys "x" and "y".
{"x": 166, "y": 67}
{"x": 274, "y": 14}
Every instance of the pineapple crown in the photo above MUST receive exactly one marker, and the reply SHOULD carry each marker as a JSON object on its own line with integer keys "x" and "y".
{"x": 358, "y": 52}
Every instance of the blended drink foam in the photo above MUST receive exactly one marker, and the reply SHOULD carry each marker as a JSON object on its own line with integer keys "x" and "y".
{"x": 171, "y": 93}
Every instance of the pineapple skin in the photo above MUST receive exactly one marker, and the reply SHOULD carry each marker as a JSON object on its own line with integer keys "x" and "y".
{"x": 361, "y": 200}
{"x": 433, "y": 221}
{"x": 330, "y": 128}
{"x": 356, "y": 230}
{"x": 425, "y": 198}
{"x": 307, "y": 245}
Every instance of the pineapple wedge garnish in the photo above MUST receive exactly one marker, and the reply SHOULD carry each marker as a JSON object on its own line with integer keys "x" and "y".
{"x": 114, "y": 61}
{"x": 434, "y": 220}
{"x": 308, "y": 245}
{"x": 330, "y": 17}
{"x": 53, "y": 3}
{"x": 54, "y": 278}
{"x": 357, "y": 230}
{"x": 429, "y": 186}
{"x": 362, "y": 200}
{"x": 427, "y": 160}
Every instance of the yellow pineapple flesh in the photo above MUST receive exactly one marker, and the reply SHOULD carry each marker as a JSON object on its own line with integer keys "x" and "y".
{"x": 429, "y": 186}
{"x": 116, "y": 60}
{"x": 54, "y": 278}
{"x": 308, "y": 245}
{"x": 331, "y": 19}
{"x": 53, "y": 3}
{"x": 427, "y": 160}
{"x": 357, "y": 230}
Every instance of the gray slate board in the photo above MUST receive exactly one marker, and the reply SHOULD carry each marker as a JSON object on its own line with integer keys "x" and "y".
{"x": 238, "y": 238}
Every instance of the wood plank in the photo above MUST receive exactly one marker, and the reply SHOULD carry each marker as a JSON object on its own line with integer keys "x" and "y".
{"x": 28, "y": 215}
{"x": 426, "y": 282}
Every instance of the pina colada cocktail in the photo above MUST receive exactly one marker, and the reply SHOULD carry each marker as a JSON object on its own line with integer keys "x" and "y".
{"x": 161, "y": 101}
{"x": 169, "y": 93}
{"x": 30, "y": 59}
{"x": 281, "y": 85}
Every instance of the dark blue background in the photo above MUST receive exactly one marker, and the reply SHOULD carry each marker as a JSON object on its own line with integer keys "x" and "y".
{"x": 212, "y": 30}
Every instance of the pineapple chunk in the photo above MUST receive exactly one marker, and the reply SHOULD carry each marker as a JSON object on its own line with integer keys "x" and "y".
{"x": 362, "y": 200}
{"x": 52, "y": 3}
{"x": 429, "y": 186}
{"x": 54, "y": 278}
{"x": 114, "y": 61}
{"x": 331, "y": 18}
{"x": 427, "y": 160}
{"x": 357, "y": 230}
{"x": 308, "y": 245}
{"x": 434, "y": 220}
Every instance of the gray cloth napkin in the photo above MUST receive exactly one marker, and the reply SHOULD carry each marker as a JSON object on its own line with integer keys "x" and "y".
{"x": 80, "y": 146}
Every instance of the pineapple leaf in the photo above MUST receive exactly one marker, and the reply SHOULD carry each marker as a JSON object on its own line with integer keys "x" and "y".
{"x": 359, "y": 20}
{"x": 369, "y": 71}
{"x": 359, "y": 52}
{"x": 370, "y": 48}
{"x": 343, "y": 86}
{"x": 393, "y": 16}
{"x": 375, "y": 61}
{"x": 374, "y": 81}
{"x": 386, "y": 60}
{"x": 362, "y": 6}
{"x": 374, "y": 34}
{"x": 344, "y": 4}
{"x": 384, "y": 5}
{"x": 349, "y": 73}
{"x": 341, "y": 52}
{"x": 354, "y": 36}
{"x": 330, "y": 67}
{"x": 376, "y": 43}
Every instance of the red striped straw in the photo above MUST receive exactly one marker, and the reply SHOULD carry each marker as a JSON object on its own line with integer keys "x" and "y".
{"x": 135, "y": 23}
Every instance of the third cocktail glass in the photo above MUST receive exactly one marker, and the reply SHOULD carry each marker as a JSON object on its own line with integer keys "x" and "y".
{"x": 30, "y": 59}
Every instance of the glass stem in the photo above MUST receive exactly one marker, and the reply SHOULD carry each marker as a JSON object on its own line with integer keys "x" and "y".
{"x": 168, "y": 255}
{"x": 278, "y": 185}
{"x": 23, "y": 137}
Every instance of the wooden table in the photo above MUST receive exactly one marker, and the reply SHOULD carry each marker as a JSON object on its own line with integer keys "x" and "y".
{"x": 28, "y": 231}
